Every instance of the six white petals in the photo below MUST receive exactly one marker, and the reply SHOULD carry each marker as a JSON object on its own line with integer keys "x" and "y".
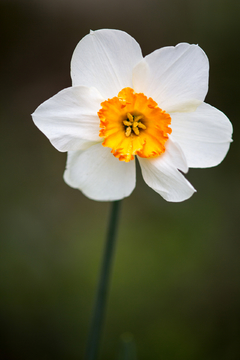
{"x": 103, "y": 63}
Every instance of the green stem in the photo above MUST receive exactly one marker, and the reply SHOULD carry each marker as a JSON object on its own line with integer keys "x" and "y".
{"x": 103, "y": 285}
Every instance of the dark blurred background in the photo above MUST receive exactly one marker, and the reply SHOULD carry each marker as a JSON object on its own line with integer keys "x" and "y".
{"x": 176, "y": 279}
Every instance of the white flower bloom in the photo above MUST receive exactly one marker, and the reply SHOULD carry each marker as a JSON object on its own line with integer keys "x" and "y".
{"x": 122, "y": 106}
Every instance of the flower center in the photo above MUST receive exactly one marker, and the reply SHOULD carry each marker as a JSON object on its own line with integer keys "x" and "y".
{"x": 133, "y": 124}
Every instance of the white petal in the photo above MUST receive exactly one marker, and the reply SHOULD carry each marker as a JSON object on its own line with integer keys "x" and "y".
{"x": 69, "y": 119}
{"x": 105, "y": 59}
{"x": 99, "y": 175}
{"x": 203, "y": 135}
{"x": 162, "y": 174}
{"x": 186, "y": 106}
{"x": 177, "y": 156}
{"x": 173, "y": 75}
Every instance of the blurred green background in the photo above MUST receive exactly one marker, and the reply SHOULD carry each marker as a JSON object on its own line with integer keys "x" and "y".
{"x": 176, "y": 279}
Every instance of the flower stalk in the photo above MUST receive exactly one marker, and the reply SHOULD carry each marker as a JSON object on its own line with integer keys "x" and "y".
{"x": 103, "y": 285}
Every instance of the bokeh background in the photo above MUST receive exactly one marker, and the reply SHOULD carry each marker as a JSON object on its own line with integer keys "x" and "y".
{"x": 176, "y": 278}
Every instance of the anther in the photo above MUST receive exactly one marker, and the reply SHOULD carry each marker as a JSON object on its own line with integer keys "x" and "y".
{"x": 135, "y": 129}
{"x": 127, "y": 123}
{"x": 130, "y": 117}
{"x": 137, "y": 118}
{"x": 141, "y": 125}
{"x": 128, "y": 131}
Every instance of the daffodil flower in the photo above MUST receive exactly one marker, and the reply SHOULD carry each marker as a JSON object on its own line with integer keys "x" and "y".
{"x": 124, "y": 106}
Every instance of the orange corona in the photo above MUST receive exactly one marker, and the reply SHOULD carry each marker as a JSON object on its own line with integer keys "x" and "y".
{"x": 132, "y": 124}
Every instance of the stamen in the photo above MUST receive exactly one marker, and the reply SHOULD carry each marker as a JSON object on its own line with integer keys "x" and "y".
{"x": 130, "y": 117}
{"x": 135, "y": 129}
{"x": 128, "y": 131}
{"x": 137, "y": 118}
{"x": 133, "y": 124}
{"x": 141, "y": 125}
{"x": 127, "y": 123}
